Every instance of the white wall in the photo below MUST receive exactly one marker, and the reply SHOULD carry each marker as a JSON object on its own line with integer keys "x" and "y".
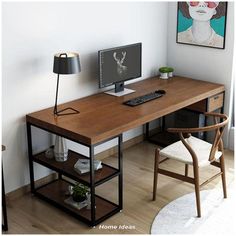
{"x": 209, "y": 64}
{"x": 34, "y": 32}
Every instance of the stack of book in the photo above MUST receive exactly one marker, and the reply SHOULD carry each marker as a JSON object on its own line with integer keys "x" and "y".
{"x": 82, "y": 166}
{"x": 77, "y": 205}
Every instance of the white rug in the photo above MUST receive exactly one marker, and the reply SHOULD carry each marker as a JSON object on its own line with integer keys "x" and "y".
{"x": 179, "y": 216}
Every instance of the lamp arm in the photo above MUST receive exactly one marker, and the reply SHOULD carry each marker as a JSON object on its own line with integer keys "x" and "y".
{"x": 55, "y": 107}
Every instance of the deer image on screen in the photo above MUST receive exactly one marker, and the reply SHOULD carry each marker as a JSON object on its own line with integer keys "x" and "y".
{"x": 121, "y": 69}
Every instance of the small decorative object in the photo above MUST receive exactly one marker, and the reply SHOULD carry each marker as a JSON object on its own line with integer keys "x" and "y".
{"x": 202, "y": 23}
{"x": 166, "y": 72}
{"x": 80, "y": 192}
{"x": 82, "y": 166}
{"x": 49, "y": 153}
{"x": 79, "y": 196}
{"x": 60, "y": 149}
{"x": 65, "y": 63}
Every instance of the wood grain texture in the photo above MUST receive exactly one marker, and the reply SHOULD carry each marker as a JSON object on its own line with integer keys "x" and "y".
{"x": 199, "y": 106}
{"x": 100, "y": 156}
{"x": 220, "y": 121}
{"x": 215, "y": 102}
{"x": 103, "y": 116}
{"x": 30, "y": 215}
{"x": 56, "y": 192}
{"x": 11, "y": 196}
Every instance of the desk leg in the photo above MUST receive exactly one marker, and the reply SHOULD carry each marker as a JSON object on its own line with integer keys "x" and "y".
{"x": 120, "y": 164}
{"x": 147, "y": 131}
{"x": 92, "y": 189}
{"x": 30, "y": 154}
{"x": 163, "y": 127}
{"x": 4, "y": 207}
{"x": 163, "y": 123}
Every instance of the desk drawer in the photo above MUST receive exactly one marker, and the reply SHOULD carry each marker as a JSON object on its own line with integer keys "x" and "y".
{"x": 215, "y": 102}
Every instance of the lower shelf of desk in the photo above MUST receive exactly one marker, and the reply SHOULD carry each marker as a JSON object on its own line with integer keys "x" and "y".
{"x": 54, "y": 193}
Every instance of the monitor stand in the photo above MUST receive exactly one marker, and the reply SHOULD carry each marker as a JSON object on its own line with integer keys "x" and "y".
{"x": 119, "y": 90}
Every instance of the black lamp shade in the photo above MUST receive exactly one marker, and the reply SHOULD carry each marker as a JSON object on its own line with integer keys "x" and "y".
{"x": 66, "y": 63}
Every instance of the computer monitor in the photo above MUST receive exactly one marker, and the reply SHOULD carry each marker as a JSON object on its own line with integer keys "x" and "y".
{"x": 119, "y": 64}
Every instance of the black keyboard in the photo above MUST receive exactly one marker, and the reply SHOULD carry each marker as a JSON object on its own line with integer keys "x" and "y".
{"x": 145, "y": 98}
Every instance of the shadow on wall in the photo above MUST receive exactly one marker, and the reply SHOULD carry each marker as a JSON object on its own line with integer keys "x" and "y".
{"x": 36, "y": 65}
{"x": 89, "y": 66}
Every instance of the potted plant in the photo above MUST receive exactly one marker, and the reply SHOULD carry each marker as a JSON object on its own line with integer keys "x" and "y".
{"x": 170, "y": 73}
{"x": 79, "y": 192}
{"x": 166, "y": 72}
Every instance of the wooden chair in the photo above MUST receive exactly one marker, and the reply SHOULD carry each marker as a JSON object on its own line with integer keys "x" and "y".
{"x": 196, "y": 152}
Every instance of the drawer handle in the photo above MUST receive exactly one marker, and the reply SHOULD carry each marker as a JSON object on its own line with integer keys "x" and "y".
{"x": 216, "y": 97}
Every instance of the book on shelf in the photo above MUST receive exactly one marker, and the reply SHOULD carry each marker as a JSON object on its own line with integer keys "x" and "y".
{"x": 77, "y": 205}
{"x": 82, "y": 166}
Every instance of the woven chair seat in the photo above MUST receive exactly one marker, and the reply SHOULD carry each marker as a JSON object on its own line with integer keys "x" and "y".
{"x": 177, "y": 151}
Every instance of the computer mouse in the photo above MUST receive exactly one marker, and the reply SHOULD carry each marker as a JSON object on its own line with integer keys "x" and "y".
{"x": 161, "y": 91}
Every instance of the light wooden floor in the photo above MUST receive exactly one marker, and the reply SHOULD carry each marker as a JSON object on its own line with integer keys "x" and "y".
{"x": 30, "y": 215}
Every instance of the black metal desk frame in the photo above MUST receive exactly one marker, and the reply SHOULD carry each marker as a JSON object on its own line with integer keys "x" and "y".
{"x": 163, "y": 123}
{"x": 92, "y": 183}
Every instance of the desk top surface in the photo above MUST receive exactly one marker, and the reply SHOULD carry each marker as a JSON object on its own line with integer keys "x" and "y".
{"x": 103, "y": 116}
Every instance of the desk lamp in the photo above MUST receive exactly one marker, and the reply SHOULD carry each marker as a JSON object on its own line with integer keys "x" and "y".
{"x": 65, "y": 63}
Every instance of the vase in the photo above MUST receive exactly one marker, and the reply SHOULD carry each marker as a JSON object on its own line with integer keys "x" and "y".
{"x": 60, "y": 149}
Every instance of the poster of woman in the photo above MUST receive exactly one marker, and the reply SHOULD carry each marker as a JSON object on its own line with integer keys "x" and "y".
{"x": 202, "y": 23}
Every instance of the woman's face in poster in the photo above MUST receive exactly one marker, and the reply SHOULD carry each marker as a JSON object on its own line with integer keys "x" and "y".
{"x": 202, "y": 11}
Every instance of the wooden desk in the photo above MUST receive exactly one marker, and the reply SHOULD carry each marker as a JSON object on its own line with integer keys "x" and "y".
{"x": 103, "y": 117}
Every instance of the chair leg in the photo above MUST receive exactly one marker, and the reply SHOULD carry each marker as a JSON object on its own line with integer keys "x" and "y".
{"x": 156, "y": 165}
{"x": 186, "y": 169}
{"x": 222, "y": 168}
{"x": 197, "y": 189}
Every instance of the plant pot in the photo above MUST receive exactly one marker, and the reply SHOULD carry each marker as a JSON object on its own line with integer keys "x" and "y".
{"x": 164, "y": 75}
{"x": 78, "y": 198}
{"x": 170, "y": 74}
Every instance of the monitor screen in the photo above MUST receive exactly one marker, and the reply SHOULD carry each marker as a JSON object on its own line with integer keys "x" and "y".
{"x": 119, "y": 64}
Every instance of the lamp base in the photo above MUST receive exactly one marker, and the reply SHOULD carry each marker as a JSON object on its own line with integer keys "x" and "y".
{"x": 61, "y": 112}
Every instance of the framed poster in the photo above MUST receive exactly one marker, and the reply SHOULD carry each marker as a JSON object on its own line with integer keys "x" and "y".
{"x": 202, "y": 23}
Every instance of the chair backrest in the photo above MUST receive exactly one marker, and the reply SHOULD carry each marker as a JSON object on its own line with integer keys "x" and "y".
{"x": 220, "y": 121}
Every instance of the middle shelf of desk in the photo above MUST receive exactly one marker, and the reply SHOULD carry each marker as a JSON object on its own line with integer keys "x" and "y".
{"x": 66, "y": 168}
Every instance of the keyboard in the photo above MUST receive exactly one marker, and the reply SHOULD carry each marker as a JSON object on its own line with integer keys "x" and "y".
{"x": 145, "y": 98}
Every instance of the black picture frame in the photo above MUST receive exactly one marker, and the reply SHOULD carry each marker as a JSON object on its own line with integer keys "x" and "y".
{"x": 216, "y": 40}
